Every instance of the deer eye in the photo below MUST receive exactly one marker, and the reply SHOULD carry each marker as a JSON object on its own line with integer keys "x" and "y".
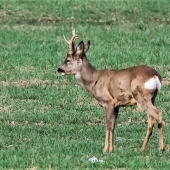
{"x": 67, "y": 61}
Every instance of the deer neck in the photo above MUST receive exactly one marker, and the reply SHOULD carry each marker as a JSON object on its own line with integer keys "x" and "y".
{"x": 87, "y": 74}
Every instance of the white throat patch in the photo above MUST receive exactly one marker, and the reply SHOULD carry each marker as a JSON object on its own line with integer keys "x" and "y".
{"x": 153, "y": 83}
{"x": 78, "y": 76}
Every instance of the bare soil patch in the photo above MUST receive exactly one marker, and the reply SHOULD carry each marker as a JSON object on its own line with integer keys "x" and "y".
{"x": 43, "y": 21}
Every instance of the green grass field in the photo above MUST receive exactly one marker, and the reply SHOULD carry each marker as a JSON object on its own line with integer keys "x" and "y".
{"x": 47, "y": 120}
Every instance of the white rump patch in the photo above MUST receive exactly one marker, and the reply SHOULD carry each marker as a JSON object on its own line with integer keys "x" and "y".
{"x": 153, "y": 83}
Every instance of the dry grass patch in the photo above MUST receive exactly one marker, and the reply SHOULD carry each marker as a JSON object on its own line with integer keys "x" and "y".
{"x": 165, "y": 82}
{"x": 8, "y": 46}
{"x": 2, "y": 14}
{"x": 26, "y": 83}
{"x": 5, "y": 108}
{"x": 37, "y": 82}
{"x": 25, "y": 69}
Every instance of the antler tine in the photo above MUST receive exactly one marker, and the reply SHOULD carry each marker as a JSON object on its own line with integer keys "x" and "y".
{"x": 74, "y": 37}
{"x": 74, "y": 32}
{"x": 72, "y": 41}
{"x": 67, "y": 41}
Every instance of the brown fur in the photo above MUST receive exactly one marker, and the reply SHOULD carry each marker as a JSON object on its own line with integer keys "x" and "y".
{"x": 114, "y": 89}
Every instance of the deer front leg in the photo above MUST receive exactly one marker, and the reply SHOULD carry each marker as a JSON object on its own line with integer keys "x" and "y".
{"x": 111, "y": 115}
{"x": 106, "y": 147}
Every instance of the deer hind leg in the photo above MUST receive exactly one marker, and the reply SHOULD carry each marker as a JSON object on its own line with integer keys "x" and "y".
{"x": 157, "y": 114}
{"x": 152, "y": 111}
{"x": 151, "y": 122}
{"x": 111, "y": 115}
{"x": 149, "y": 132}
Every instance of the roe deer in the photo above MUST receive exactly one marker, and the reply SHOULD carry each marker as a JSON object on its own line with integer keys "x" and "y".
{"x": 116, "y": 88}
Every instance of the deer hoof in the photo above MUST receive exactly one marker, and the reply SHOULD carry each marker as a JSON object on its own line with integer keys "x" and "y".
{"x": 111, "y": 150}
{"x": 162, "y": 148}
{"x": 106, "y": 150}
{"x": 143, "y": 149}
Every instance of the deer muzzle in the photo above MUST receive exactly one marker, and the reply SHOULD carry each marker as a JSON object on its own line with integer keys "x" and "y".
{"x": 61, "y": 71}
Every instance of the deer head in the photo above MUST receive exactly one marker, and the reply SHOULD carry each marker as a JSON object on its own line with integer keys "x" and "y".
{"x": 73, "y": 61}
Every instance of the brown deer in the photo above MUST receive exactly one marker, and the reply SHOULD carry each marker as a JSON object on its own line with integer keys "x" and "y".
{"x": 116, "y": 88}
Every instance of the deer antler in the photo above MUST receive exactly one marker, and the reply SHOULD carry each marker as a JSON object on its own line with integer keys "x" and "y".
{"x": 72, "y": 41}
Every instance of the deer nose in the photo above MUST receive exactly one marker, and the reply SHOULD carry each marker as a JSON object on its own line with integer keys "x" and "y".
{"x": 60, "y": 70}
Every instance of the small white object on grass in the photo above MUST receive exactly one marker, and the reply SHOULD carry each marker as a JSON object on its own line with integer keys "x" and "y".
{"x": 94, "y": 159}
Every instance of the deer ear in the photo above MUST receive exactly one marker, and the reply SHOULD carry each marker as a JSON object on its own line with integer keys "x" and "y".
{"x": 80, "y": 48}
{"x": 86, "y": 46}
